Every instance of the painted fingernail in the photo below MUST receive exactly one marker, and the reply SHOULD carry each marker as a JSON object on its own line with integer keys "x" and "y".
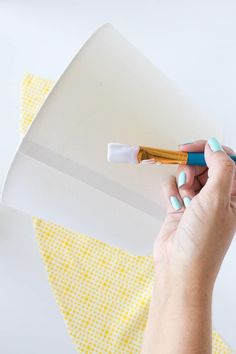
{"x": 175, "y": 202}
{"x": 181, "y": 179}
{"x": 215, "y": 145}
{"x": 186, "y": 200}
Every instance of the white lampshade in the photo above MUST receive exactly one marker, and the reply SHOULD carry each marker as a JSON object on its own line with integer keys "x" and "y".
{"x": 109, "y": 93}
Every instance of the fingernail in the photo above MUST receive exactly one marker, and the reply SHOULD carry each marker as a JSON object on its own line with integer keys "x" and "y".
{"x": 214, "y": 145}
{"x": 186, "y": 143}
{"x": 186, "y": 200}
{"x": 175, "y": 202}
{"x": 181, "y": 179}
{"x": 179, "y": 145}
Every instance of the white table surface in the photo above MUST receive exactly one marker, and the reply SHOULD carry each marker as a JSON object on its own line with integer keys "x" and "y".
{"x": 193, "y": 42}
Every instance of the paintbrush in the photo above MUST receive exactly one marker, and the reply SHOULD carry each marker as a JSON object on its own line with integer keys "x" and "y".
{"x": 138, "y": 154}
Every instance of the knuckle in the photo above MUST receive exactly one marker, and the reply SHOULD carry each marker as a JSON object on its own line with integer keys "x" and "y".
{"x": 219, "y": 201}
{"x": 228, "y": 165}
{"x": 213, "y": 198}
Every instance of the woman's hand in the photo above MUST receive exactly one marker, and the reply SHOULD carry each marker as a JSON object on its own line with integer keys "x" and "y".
{"x": 189, "y": 249}
{"x": 201, "y": 220}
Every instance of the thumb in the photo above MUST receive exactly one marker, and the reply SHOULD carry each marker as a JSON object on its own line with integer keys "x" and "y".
{"x": 221, "y": 169}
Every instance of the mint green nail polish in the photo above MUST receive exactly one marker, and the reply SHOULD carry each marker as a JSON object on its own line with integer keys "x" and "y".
{"x": 186, "y": 200}
{"x": 214, "y": 145}
{"x": 181, "y": 179}
{"x": 175, "y": 202}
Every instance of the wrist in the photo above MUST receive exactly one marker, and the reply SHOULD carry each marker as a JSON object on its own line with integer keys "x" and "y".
{"x": 188, "y": 285}
{"x": 181, "y": 311}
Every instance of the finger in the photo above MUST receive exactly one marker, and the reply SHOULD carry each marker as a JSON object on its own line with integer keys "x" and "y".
{"x": 195, "y": 146}
{"x": 191, "y": 177}
{"x": 187, "y": 183}
{"x": 189, "y": 190}
{"x": 172, "y": 197}
{"x": 185, "y": 176}
{"x": 199, "y": 174}
{"x": 199, "y": 146}
{"x": 228, "y": 150}
{"x": 202, "y": 172}
{"x": 187, "y": 194}
{"x": 221, "y": 169}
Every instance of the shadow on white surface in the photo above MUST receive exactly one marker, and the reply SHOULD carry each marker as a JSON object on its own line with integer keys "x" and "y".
{"x": 30, "y": 319}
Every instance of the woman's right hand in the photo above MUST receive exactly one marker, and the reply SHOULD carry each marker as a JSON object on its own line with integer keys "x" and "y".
{"x": 193, "y": 239}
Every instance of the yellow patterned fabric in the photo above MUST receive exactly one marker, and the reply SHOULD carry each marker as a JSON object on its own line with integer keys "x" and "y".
{"x": 103, "y": 292}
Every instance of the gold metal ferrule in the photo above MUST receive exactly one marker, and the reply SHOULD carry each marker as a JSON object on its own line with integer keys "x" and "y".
{"x": 161, "y": 156}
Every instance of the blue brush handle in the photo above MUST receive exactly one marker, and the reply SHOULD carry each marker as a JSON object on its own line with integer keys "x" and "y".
{"x": 197, "y": 158}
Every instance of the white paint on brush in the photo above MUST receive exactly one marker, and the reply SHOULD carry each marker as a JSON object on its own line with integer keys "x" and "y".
{"x": 122, "y": 153}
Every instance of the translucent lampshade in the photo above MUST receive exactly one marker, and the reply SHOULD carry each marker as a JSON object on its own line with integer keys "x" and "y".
{"x": 110, "y": 92}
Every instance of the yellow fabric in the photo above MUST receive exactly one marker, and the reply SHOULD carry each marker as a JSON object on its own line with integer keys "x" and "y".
{"x": 103, "y": 292}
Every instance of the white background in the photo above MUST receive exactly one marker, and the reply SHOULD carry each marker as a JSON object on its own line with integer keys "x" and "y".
{"x": 193, "y": 42}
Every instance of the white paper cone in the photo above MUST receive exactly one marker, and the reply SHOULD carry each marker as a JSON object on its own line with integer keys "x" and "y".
{"x": 109, "y": 93}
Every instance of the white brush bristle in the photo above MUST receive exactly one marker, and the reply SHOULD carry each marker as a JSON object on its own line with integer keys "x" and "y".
{"x": 122, "y": 153}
